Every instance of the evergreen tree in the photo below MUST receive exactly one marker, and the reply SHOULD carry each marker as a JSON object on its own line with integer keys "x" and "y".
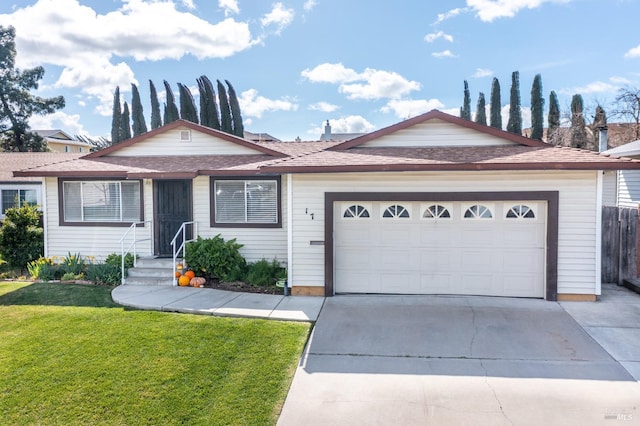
{"x": 208, "y": 109}
{"x": 116, "y": 117}
{"x": 481, "y": 113}
{"x": 137, "y": 114}
{"x": 553, "y": 126}
{"x": 225, "y": 111}
{"x": 465, "y": 111}
{"x": 495, "y": 119}
{"x": 156, "y": 121}
{"x": 236, "y": 115}
{"x": 537, "y": 108}
{"x": 515, "y": 111}
{"x": 125, "y": 123}
{"x": 187, "y": 104}
{"x": 17, "y": 104}
{"x": 171, "y": 113}
{"x": 578, "y": 125}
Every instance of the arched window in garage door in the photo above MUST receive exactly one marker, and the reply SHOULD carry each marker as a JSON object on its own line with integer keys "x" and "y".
{"x": 355, "y": 211}
{"x": 478, "y": 211}
{"x": 396, "y": 211}
{"x": 521, "y": 212}
{"x": 436, "y": 211}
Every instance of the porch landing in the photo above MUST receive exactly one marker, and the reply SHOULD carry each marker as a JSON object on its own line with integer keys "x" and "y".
{"x": 208, "y": 301}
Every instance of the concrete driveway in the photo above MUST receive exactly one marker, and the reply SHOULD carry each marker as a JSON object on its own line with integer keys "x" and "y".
{"x": 416, "y": 360}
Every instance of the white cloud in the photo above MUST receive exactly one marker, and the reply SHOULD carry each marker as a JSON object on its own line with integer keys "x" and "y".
{"x": 633, "y": 53}
{"x": 482, "y": 72}
{"x": 590, "y": 88}
{"x": 278, "y": 17}
{"x": 444, "y": 54}
{"x": 323, "y": 106}
{"x": 430, "y": 38}
{"x": 70, "y": 123}
{"x": 229, "y": 6}
{"x": 407, "y": 108}
{"x": 489, "y": 10}
{"x": 349, "y": 124}
{"x": 188, "y": 4}
{"x": 450, "y": 14}
{"x": 330, "y": 73}
{"x": 309, "y": 5}
{"x": 253, "y": 105}
{"x": 620, "y": 80}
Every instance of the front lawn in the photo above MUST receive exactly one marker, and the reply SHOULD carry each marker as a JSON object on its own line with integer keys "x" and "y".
{"x": 68, "y": 355}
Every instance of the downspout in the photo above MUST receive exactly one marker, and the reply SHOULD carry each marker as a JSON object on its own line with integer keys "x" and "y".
{"x": 599, "y": 179}
{"x": 45, "y": 215}
{"x": 289, "y": 233}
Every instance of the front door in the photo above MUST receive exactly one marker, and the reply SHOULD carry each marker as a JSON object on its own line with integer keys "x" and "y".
{"x": 172, "y": 204}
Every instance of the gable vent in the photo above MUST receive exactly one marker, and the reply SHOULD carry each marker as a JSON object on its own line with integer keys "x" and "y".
{"x": 185, "y": 135}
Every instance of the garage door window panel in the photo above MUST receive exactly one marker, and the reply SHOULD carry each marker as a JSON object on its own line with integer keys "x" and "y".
{"x": 478, "y": 211}
{"x": 437, "y": 211}
{"x": 521, "y": 211}
{"x": 396, "y": 211}
{"x": 356, "y": 211}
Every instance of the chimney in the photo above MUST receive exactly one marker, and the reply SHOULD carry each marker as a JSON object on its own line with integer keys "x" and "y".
{"x": 327, "y": 132}
{"x": 602, "y": 138}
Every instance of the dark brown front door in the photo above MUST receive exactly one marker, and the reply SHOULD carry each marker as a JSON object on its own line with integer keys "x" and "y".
{"x": 172, "y": 204}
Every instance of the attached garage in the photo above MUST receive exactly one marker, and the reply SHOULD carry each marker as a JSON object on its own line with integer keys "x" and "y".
{"x": 489, "y": 244}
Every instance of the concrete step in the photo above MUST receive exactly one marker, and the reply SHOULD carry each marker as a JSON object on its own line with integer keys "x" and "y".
{"x": 150, "y": 272}
{"x": 149, "y": 281}
{"x": 155, "y": 262}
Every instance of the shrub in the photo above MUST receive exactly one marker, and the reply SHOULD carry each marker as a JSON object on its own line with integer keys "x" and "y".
{"x": 215, "y": 257}
{"x": 73, "y": 264}
{"x": 115, "y": 259}
{"x": 43, "y": 269}
{"x": 21, "y": 236}
{"x": 70, "y": 276}
{"x": 103, "y": 273}
{"x": 264, "y": 273}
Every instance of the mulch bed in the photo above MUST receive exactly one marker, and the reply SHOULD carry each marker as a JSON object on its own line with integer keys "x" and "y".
{"x": 243, "y": 287}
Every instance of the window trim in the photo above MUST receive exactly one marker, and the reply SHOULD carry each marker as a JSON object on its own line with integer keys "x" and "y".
{"x": 212, "y": 202}
{"x": 407, "y": 208}
{"x": 347, "y": 206}
{"x": 63, "y": 222}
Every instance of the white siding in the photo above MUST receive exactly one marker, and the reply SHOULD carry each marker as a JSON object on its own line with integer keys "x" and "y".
{"x": 629, "y": 188}
{"x": 609, "y": 188}
{"x": 436, "y": 133}
{"x": 169, "y": 143}
{"x": 577, "y": 214}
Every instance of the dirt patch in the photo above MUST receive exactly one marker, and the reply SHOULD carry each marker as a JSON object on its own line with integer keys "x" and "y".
{"x": 243, "y": 287}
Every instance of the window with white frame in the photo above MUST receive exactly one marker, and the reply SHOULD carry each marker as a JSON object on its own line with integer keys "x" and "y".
{"x": 17, "y": 198}
{"x": 101, "y": 201}
{"x": 248, "y": 202}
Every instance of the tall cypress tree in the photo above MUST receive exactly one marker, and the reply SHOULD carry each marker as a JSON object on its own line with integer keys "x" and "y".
{"x": 578, "y": 125}
{"x": 116, "y": 116}
{"x": 495, "y": 119}
{"x": 236, "y": 115}
{"x": 208, "y": 104}
{"x": 156, "y": 121}
{"x": 481, "y": 113}
{"x": 537, "y": 108}
{"x": 137, "y": 114}
{"x": 187, "y": 104}
{"x": 553, "y": 126}
{"x": 225, "y": 111}
{"x": 171, "y": 109}
{"x": 515, "y": 111}
{"x": 465, "y": 111}
{"x": 125, "y": 123}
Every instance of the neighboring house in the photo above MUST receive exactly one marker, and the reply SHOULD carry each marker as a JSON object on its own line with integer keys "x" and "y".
{"x": 431, "y": 205}
{"x": 59, "y": 141}
{"x": 14, "y": 191}
{"x": 626, "y": 191}
{"x": 328, "y": 135}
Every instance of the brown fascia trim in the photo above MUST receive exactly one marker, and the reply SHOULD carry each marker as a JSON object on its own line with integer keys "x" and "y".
{"x": 551, "y": 197}
{"x": 190, "y": 125}
{"x": 452, "y": 167}
{"x": 73, "y": 174}
{"x": 435, "y": 114}
{"x": 163, "y": 175}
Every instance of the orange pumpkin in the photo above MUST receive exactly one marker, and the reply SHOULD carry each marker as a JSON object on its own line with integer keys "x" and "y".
{"x": 190, "y": 274}
{"x": 197, "y": 281}
{"x": 183, "y": 281}
{"x": 178, "y": 274}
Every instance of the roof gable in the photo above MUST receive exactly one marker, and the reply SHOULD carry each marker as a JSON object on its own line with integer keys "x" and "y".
{"x": 183, "y": 138}
{"x": 437, "y": 129}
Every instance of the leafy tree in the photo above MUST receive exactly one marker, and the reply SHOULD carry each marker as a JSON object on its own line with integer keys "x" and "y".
{"x": 465, "y": 110}
{"x": 171, "y": 113}
{"x": 627, "y": 107}
{"x": 225, "y": 111}
{"x": 537, "y": 108}
{"x": 208, "y": 108}
{"x": 21, "y": 236}
{"x": 17, "y": 104}
{"x": 116, "y": 117}
{"x": 515, "y": 111}
{"x": 553, "y": 119}
{"x": 187, "y": 105}
{"x": 578, "y": 125}
{"x": 236, "y": 115}
{"x": 156, "y": 120}
{"x": 481, "y": 113}
{"x": 495, "y": 119}
{"x": 125, "y": 123}
{"x": 137, "y": 114}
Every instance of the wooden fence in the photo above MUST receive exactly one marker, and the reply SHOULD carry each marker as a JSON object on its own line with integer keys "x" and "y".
{"x": 619, "y": 244}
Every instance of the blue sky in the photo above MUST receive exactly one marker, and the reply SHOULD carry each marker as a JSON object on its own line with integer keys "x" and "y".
{"x": 363, "y": 65}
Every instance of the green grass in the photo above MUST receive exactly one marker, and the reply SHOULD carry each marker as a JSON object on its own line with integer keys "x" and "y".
{"x": 69, "y": 355}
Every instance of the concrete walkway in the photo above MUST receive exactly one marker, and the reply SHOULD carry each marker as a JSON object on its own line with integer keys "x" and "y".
{"x": 207, "y": 301}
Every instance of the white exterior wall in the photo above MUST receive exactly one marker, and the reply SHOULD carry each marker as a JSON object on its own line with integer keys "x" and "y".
{"x": 629, "y": 188}
{"x": 436, "y": 133}
{"x": 577, "y": 246}
{"x": 610, "y": 188}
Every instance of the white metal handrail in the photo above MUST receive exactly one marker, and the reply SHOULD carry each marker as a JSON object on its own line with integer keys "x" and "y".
{"x": 132, "y": 248}
{"x": 182, "y": 232}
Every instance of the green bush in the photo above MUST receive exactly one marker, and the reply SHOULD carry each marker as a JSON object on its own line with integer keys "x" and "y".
{"x": 73, "y": 264}
{"x": 103, "y": 274}
{"x": 21, "y": 236}
{"x": 115, "y": 259}
{"x": 264, "y": 273}
{"x": 216, "y": 258}
{"x": 43, "y": 269}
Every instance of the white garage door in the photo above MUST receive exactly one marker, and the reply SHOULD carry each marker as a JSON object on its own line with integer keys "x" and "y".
{"x": 473, "y": 248}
